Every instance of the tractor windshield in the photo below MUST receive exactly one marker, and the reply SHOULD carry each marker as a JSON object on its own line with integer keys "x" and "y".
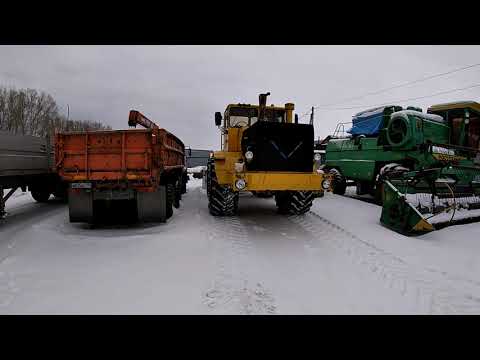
{"x": 242, "y": 116}
{"x": 245, "y": 116}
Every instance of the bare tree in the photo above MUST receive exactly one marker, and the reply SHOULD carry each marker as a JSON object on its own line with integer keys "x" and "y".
{"x": 30, "y": 112}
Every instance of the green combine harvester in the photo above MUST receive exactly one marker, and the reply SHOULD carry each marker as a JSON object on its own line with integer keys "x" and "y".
{"x": 423, "y": 168}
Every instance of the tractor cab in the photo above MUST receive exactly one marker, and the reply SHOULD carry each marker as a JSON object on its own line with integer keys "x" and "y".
{"x": 463, "y": 118}
{"x": 242, "y": 115}
{"x": 264, "y": 152}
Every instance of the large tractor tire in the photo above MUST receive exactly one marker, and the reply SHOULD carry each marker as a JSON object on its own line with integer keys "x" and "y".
{"x": 210, "y": 173}
{"x": 339, "y": 183}
{"x": 294, "y": 202}
{"x": 222, "y": 201}
{"x": 40, "y": 196}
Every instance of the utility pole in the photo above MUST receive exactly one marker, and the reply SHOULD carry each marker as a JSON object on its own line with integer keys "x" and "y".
{"x": 311, "y": 116}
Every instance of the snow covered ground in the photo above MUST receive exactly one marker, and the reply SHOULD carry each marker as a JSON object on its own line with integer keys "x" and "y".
{"x": 337, "y": 259}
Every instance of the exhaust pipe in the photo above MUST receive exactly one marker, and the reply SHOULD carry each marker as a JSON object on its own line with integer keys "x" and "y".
{"x": 262, "y": 105}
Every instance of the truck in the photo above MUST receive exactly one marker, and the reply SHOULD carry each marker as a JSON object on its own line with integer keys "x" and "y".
{"x": 265, "y": 152}
{"x": 27, "y": 162}
{"x": 142, "y": 169}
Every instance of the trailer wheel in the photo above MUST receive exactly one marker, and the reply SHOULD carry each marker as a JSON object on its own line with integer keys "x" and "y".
{"x": 40, "y": 196}
{"x": 339, "y": 183}
{"x": 184, "y": 183}
{"x": 178, "y": 194}
{"x": 294, "y": 202}
{"x": 170, "y": 198}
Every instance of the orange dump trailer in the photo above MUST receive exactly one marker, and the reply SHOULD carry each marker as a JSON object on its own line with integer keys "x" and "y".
{"x": 144, "y": 168}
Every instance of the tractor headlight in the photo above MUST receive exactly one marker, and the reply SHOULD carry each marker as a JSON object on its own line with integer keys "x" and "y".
{"x": 240, "y": 184}
{"x": 326, "y": 184}
{"x": 317, "y": 157}
{"x": 249, "y": 155}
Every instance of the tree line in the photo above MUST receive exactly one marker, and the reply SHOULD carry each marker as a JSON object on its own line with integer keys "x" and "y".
{"x": 32, "y": 112}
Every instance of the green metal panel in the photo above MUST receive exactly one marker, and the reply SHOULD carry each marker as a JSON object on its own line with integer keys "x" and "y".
{"x": 361, "y": 158}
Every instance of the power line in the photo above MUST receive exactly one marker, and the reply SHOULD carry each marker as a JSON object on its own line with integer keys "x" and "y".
{"x": 397, "y": 86}
{"x": 404, "y": 100}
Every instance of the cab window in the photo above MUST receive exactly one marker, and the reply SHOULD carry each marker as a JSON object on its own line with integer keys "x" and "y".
{"x": 239, "y": 117}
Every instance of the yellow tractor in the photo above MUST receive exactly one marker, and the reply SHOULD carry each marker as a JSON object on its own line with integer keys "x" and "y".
{"x": 266, "y": 153}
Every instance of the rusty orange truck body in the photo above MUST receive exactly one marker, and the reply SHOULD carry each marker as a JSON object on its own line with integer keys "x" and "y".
{"x": 144, "y": 168}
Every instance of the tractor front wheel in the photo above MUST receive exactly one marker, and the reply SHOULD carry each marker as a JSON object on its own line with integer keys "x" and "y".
{"x": 222, "y": 201}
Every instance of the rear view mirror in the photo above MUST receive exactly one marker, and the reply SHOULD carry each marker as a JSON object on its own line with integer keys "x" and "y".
{"x": 218, "y": 118}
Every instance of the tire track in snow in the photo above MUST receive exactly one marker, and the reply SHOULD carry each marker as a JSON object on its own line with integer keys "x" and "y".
{"x": 233, "y": 290}
{"x": 8, "y": 289}
{"x": 431, "y": 291}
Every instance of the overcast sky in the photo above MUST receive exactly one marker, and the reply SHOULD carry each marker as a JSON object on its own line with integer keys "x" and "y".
{"x": 180, "y": 87}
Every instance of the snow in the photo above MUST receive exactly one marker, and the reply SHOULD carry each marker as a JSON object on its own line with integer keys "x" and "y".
{"x": 196, "y": 169}
{"x": 432, "y": 117}
{"x": 337, "y": 259}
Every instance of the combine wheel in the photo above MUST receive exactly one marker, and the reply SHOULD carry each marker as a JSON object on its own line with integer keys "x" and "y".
{"x": 294, "y": 202}
{"x": 339, "y": 183}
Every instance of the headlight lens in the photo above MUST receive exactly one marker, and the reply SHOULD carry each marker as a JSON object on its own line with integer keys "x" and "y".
{"x": 249, "y": 155}
{"x": 240, "y": 184}
{"x": 317, "y": 157}
{"x": 326, "y": 184}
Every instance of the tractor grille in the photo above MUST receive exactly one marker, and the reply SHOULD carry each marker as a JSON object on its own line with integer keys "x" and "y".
{"x": 279, "y": 146}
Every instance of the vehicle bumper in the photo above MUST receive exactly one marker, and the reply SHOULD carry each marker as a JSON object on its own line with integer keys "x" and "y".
{"x": 263, "y": 181}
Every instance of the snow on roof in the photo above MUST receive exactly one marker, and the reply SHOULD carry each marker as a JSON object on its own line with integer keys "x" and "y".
{"x": 432, "y": 117}
{"x": 372, "y": 111}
